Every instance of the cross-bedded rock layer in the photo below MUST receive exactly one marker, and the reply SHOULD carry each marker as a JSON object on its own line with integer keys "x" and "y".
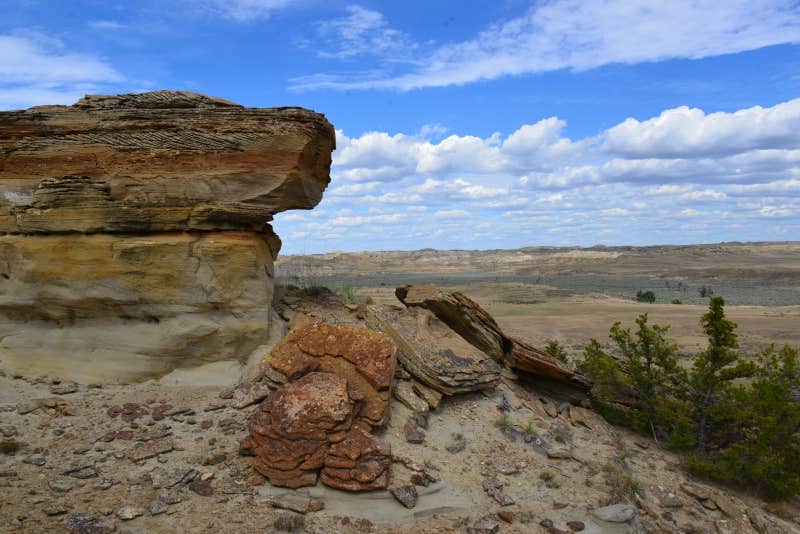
{"x": 134, "y": 233}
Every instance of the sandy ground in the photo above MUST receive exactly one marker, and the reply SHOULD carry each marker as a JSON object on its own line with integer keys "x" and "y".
{"x": 201, "y": 431}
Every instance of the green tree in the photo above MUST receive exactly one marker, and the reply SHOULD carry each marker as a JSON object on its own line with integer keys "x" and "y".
{"x": 646, "y": 371}
{"x": 645, "y": 296}
{"x": 650, "y": 359}
{"x": 713, "y": 373}
{"x": 766, "y": 452}
{"x": 554, "y": 349}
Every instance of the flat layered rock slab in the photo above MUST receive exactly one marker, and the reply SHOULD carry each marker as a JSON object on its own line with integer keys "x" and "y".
{"x": 158, "y": 161}
{"x": 433, "y": 353}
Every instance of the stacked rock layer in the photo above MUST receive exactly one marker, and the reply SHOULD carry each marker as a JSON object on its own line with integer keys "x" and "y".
{"x": 134, "y": 233}
{"x": 340, "y": 378}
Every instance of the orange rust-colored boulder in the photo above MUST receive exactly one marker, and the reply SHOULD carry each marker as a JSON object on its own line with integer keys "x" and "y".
{"x": 290, "y": 431}
{"x": 365, "y": 358}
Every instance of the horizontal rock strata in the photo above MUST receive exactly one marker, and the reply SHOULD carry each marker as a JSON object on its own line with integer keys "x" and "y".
{"x": 158, "y": 161}
{"x": 134, "y": 229}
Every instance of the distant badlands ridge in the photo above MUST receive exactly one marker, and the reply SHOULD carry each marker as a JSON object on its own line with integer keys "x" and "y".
{"x": 653, "y": 259}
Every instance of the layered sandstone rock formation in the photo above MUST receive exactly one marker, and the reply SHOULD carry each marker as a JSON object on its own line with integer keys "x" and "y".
{"x": 479, "y": 328}
{"x": 340, "y": 381}
{"x": 134, "y": 233}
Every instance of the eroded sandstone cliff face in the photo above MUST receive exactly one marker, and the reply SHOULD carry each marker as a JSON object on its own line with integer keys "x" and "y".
{"x": 134, "y": 233}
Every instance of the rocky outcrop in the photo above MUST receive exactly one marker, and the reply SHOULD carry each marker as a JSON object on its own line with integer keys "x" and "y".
{"x": 156, "y": 162}
{"x": 134, "y": 233}
{"x": 433, "y": 353}
{"x": 340, "y": 378}
{"x": 478, "y": 327}
{"x": 366, "y": 359}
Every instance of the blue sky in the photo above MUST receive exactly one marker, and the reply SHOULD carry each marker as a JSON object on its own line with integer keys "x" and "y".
{"x": 473, "y": 124}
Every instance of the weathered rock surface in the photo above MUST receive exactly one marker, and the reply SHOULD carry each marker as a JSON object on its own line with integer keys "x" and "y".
{"x": 133, "y": 229}
{"x": 478, "y": 327}
{"x": 460, "y": 313}
{"x": 359, "y": 462}
{"x": 365, "y": 358}
{"x": 158, "y": 161}
{"x": 434, "y": 353}
{"x": 314, "y": 422}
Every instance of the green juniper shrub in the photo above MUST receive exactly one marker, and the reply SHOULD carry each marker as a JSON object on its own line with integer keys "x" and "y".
{"x": 644, "y": 375}
{"x": 711, "y": 385}
{"x": 554, "y": 349}
{"x": 765, "y": 451}
{"x": 645, "y": 296}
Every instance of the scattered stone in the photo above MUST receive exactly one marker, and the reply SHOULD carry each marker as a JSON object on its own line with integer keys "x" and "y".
{"x": 157, "y": 507}
{"x": 86, "y": 524}
{"x": 55, "y": 509}
{"x": 202, "y": 487}
{"x": 404, "y": 392}
{"x": 506, "y": 515}
{"x": 666, "y": 498}
{"x": 697, "y": 491}
{"x": 65, "y": 388}
{"x": 248, "y": 394}
{"x": 294, "y": 501}
{"x": 168, "y": 478}
{"x": 226, "y": 393}
{"x": 421, "y": 418}
{"x": 406, "y": 495}
{"x": 28, "y": 406}
{"x": 8, "y": 431}
{"x": 457, "y": 443}
{"x": 550, "y": 409}
{"x": 215, "y": 457}
{"x": 559, "y": 453}
{"x": 430, "y": 395}
{"x": 559, "y": 505}
{"x": 615, "y": 513}
{"x": 413, "y": 433}
{"x": 506, "y": 467}
{"x": 495, "y": 489}
{"x": 128, "y": 512}
{"x": 150, "y": 449}
{"x": 206, "y": 424}
{"x": 104, "y": 484}
{"x": 486, "y": 525}
{"x": 60, "y": 485}
{"x": 316, "y": 506}
{"x": 580, "y": 416}
{"x": 423, "y": 478}
{"x": 38, "y": 461}
{"x": 576, "y": 526}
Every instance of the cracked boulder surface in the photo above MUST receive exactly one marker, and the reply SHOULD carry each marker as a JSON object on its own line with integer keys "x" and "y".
{"x": 134, "y": 235}
{"x": 366, "y": 359}
{"x": 312, "y": 423}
